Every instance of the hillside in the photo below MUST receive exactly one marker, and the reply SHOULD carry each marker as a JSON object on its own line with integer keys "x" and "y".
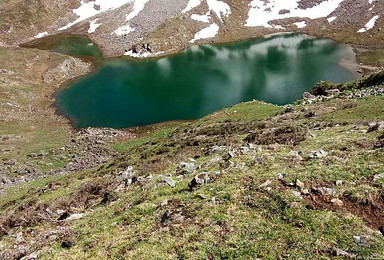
{"x": 251, "y": 181}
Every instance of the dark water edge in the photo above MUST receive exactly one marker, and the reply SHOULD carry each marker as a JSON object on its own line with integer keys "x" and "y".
{"x": 75, "y": 45}
{"x": 218, "y": 70}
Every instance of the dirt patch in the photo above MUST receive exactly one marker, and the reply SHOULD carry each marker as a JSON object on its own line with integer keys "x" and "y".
{"x": 372, "y": 212}
{"x": 289, "y": 135}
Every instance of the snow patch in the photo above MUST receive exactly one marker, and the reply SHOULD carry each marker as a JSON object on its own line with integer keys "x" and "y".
{"x": 138, "y": 6}
{"x": 191, "y": 4}
{"x": 301, "y": 24}
{"x": 201, "y": 18}
{"x": 261, "y": 13}
{"x": 331, "y": 19}
{"x": 219, "y": 7}
{"x": 126, "y": 29}
{"x": 93, "y": 25}
{"x": 369, "y": 25}
{"x": 142, "y": 55}
{"x": 209, "y": 32}
{"x": 88, "y": 9}
{"x": 41, "y": 35}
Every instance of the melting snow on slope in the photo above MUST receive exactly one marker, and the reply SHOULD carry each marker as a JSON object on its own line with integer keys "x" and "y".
{"x": 93, "y": 25}
{"x": 138, "y": 6}
{"x": 369, "y": 25}
{"x": 40, "y": 35}
{"x": 124, "y": 30}
{"x": 331, "y": 19}
{"x": 209, "y": 32}
{"x": 191, "y": 4}
{"x": 219, "y": 7}
{"x": 300, "y": 24}
{"x": 261, "y": 12}
{"x": 88, "y": 9}
{"x": 201, "y": 18}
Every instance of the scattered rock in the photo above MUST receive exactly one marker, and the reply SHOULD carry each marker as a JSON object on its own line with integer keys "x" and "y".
{"x": 280, "y": 176}
{"x": 318, "y": 154}
{"x": 63, "y": 214}
{"x": 339, "y": 183}
{"x": 361, "y": 240}
{"x": 11, "y": 162}
{"x": 19, "y": 237}
{"x": 169, "y": 181}
{"x": 34, "y": 255}
{"x": 307, "y": 95}
{"x": 185, "y": 168}
{"x": 201, "y": 196}
{"x": 340, "y": 252}
{"x": 327, "y": 191}
{"x": 164, "y": 203}
{"x": 378, "y": 177}
{"x": 299, "y": 184}
{"x": 200, "y": 179}
{"x": 75, "y": 216}
{"x": 305, "y": 192}
{"x": 374, "y": 126}
{"x": 265, "y": 184}
{"x": 337, "y": 202}
{"x": 297, "y": 194}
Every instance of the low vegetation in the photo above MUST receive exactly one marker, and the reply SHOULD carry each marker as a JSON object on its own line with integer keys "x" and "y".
{"x": 250, "y": 181}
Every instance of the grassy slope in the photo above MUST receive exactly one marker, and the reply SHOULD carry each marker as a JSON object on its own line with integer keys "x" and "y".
{"x": 244, "y": 221}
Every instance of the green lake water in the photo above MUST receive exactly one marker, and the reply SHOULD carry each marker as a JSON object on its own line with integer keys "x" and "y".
{"x": 201, "y": 80}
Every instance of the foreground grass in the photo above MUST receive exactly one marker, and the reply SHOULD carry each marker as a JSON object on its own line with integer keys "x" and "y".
{"x": 231, "y": 217}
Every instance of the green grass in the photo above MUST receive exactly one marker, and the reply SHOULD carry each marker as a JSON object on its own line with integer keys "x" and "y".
{"x": 375, "y": 58}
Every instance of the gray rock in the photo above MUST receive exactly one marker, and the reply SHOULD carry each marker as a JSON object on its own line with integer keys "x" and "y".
{"x": 327, "y": 191}
{"x": 185, "y": 167}
{"x": 378, "y": 177}
{"x": 75, "y": 216}
{"x": 265, "y": 184}
{"x": 361, "y": 240}
{"x": 318, "y": 154}
{"x": 34, "y": 255}
{"x": 19, "y": 237}
{"x": 300, "y": 184}
{"x": 297, "y": 194}
{"x": 169, "y": 181}
{"x": 307, "y": 95}
{"x": 164, "y": 203}
{"x": 200, "y": 179}
{"x": 339, "y": 182}
{"x": 11, "y": 162}
{"x": 340, "y": 252}
{"x": 337, "y": 202}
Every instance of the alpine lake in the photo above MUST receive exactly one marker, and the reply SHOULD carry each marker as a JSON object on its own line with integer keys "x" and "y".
{"x": 198, "y": 81}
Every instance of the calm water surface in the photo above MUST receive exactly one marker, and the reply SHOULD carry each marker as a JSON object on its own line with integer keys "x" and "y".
{"x": 202, "y": 80}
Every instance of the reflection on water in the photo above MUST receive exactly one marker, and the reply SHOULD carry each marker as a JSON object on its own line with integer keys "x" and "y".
{"x": 203, "y": 79}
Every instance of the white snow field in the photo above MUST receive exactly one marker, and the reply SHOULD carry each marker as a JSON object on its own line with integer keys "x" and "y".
{"x": 261, "y": 13}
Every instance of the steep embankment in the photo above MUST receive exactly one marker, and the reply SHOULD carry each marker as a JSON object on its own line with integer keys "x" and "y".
{"x": 251, "y": 181}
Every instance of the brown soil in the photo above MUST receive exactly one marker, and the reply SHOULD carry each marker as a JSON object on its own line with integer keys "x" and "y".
{"x": 372, "y": 212}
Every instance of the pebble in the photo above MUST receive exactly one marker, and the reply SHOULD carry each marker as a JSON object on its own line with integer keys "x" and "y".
{"x": 297, "y": 194}
{"x": 339, "y": 182}
{"x": 75, "y": 216}
{"x": 337, "y": 202}
{"x": 300, "y": 184}
{"x": 169, "y": 181}
{"x": 265, "y": 184}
